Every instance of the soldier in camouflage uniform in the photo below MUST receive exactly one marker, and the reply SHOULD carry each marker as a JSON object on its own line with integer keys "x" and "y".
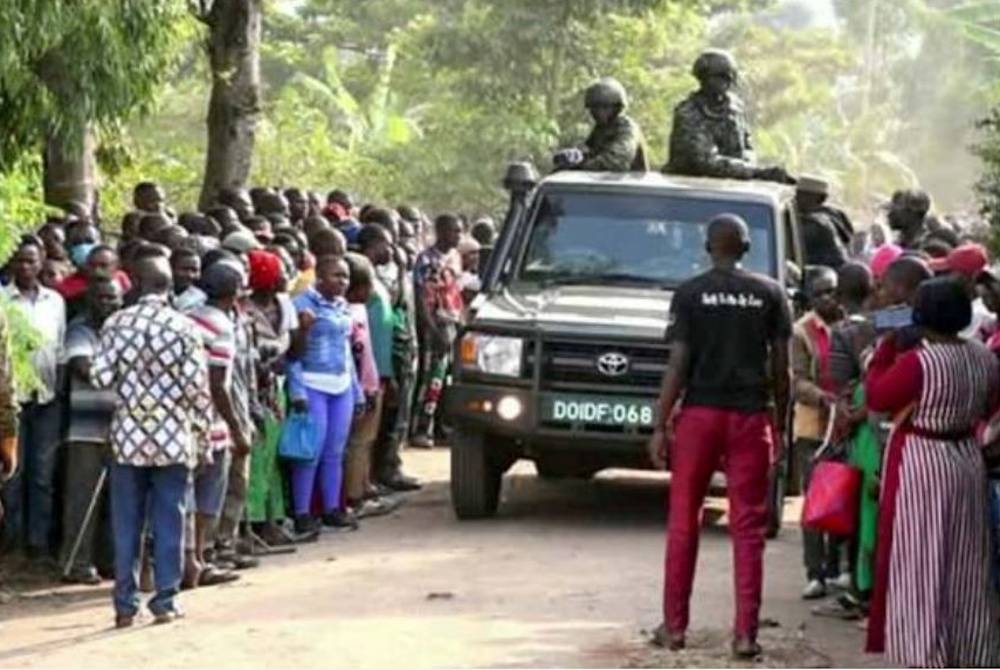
{"x": 711, "y": 136}
{"x": 616, "y": 143}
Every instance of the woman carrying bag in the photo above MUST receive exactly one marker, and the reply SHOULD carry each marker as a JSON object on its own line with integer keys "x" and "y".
{"x": 933, "y": 604}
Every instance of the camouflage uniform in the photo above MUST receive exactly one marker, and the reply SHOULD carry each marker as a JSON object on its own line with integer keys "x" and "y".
{"x": 711, "y": 143}
{"x": 711, "y": 136}
{"x": 616, "y": 147}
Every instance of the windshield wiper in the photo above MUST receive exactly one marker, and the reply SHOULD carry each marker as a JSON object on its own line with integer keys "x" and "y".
{"x": 599, "y": 278}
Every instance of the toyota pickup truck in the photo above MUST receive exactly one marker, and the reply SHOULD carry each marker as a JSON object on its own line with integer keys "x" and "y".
{"x": 562, "y": 359}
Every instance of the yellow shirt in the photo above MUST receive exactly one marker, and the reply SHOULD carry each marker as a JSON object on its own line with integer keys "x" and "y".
{"x": 305, "y": 279}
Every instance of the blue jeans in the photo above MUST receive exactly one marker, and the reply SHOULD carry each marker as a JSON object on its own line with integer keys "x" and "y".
{"x": 28, "y": 496}
{"x": 163, "y": 489}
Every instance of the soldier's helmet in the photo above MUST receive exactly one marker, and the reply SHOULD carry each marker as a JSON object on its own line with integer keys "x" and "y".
{"x": 713, "y": 62}
{"x": 606, "y": 92}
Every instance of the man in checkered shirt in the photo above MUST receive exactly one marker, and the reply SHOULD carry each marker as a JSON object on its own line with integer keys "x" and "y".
{"x": 151, "y": 357}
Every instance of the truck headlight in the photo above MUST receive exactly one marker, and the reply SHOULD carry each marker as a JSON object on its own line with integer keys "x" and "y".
{"x": 492, "y": 354}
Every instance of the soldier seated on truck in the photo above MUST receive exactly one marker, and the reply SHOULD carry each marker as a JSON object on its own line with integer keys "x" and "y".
{"x": 616, "y": 143}
{"x": 711, "y": 135}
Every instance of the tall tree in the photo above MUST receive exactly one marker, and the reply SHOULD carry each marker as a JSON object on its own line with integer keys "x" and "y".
{"x": 234, "y": 57}
{"x": 980, "y": 20}
{"x": 67, "y": 69}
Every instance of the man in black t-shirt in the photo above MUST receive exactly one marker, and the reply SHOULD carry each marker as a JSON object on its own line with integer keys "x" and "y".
{"x": 729, "y": 331}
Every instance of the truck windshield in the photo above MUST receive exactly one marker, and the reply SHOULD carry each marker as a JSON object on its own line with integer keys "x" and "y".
{"x": 609, "y": 238}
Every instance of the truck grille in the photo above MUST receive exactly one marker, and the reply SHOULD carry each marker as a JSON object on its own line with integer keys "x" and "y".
{"x": 568, "y": 364}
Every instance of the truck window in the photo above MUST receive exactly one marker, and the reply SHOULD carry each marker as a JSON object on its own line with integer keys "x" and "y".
{"x": 654, "y": 239}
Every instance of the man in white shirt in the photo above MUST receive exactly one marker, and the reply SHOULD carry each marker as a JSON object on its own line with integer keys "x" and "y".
{"x": 28, "y": 497}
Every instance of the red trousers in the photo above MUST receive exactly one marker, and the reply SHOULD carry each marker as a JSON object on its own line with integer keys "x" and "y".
{"x": 707, "y": 439}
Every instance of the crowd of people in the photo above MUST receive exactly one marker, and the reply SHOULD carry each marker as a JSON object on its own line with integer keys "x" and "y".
{"x": 171, "y": 365}
{"x": 895, "y": 372}
{"x": 891, "y": 367}
{"x": 151, "y": 447}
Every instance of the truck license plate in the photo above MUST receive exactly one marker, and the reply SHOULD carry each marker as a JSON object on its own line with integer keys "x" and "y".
{"x": 599, "y": 410}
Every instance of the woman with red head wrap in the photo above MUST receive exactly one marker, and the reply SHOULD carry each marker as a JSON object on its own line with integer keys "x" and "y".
{"x": 267, "y": 274}
{"x": 274, "y": 319}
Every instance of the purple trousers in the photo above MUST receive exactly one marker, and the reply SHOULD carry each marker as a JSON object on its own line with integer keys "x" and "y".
{"x": 332, "y": 414}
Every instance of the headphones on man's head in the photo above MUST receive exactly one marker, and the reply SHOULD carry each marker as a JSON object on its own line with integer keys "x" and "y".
{"x": 744, "y": 247}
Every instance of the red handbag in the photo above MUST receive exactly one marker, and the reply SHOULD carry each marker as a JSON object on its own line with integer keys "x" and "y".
{"x": 831, "y": 504}
{"x": 833, "y": 495}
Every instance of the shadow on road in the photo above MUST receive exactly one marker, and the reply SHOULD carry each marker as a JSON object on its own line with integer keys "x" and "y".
{"x": 611, "y": 498}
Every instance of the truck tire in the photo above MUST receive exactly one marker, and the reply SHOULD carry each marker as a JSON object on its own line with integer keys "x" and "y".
{"x": 475, "y": 477}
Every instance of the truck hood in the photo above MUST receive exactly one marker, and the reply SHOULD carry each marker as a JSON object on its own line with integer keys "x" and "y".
{"x": 594, "y": 311}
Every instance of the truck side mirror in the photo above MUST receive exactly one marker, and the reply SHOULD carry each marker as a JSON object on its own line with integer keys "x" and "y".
{"x": 520, "y": 179}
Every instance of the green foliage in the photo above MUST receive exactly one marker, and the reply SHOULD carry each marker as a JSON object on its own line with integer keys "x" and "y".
{"x": 23, "y": 340}
{"x": 20, "y": 202}
{"x": 408, "y": 100}
{"x": 167, "y": 146}
{"x": 65, "y": 65}
{"x": 980, "y": 20}
{"x": 20, "y": 206}
{"x": 988, "y": 186}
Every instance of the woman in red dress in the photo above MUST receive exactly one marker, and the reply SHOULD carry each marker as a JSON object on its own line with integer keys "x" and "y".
{"x": 934, "y": 605}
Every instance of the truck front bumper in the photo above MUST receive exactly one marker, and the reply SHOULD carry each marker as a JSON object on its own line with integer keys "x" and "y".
{"x": 512, "y": 412}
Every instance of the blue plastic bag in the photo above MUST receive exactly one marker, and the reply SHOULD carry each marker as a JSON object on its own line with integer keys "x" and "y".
{"x": 299, "y": 438}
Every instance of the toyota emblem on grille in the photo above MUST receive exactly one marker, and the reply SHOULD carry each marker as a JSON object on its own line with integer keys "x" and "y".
{"x": 612, "y": 364}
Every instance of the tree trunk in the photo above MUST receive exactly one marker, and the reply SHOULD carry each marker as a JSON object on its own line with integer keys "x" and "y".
{"x": 69, "y": 172}
{"x": 233, "y": 51}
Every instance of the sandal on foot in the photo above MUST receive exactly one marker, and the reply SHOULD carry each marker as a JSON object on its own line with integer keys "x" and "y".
{"x": 213, "y": 576}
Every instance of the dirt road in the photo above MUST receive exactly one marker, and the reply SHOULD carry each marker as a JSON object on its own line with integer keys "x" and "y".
{"x": 568, "y": 575}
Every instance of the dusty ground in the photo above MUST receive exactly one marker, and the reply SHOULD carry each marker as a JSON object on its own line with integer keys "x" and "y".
{"x": 568, "y": 575}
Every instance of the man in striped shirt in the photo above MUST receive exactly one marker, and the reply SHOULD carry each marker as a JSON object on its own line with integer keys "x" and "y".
{"x": 228, "y": 435}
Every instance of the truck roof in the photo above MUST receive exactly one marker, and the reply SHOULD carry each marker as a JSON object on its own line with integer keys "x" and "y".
{"x": 761, "y": 191}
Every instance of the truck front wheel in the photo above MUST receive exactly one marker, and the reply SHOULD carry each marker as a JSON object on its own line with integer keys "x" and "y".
{"x": 476, "y": 476}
